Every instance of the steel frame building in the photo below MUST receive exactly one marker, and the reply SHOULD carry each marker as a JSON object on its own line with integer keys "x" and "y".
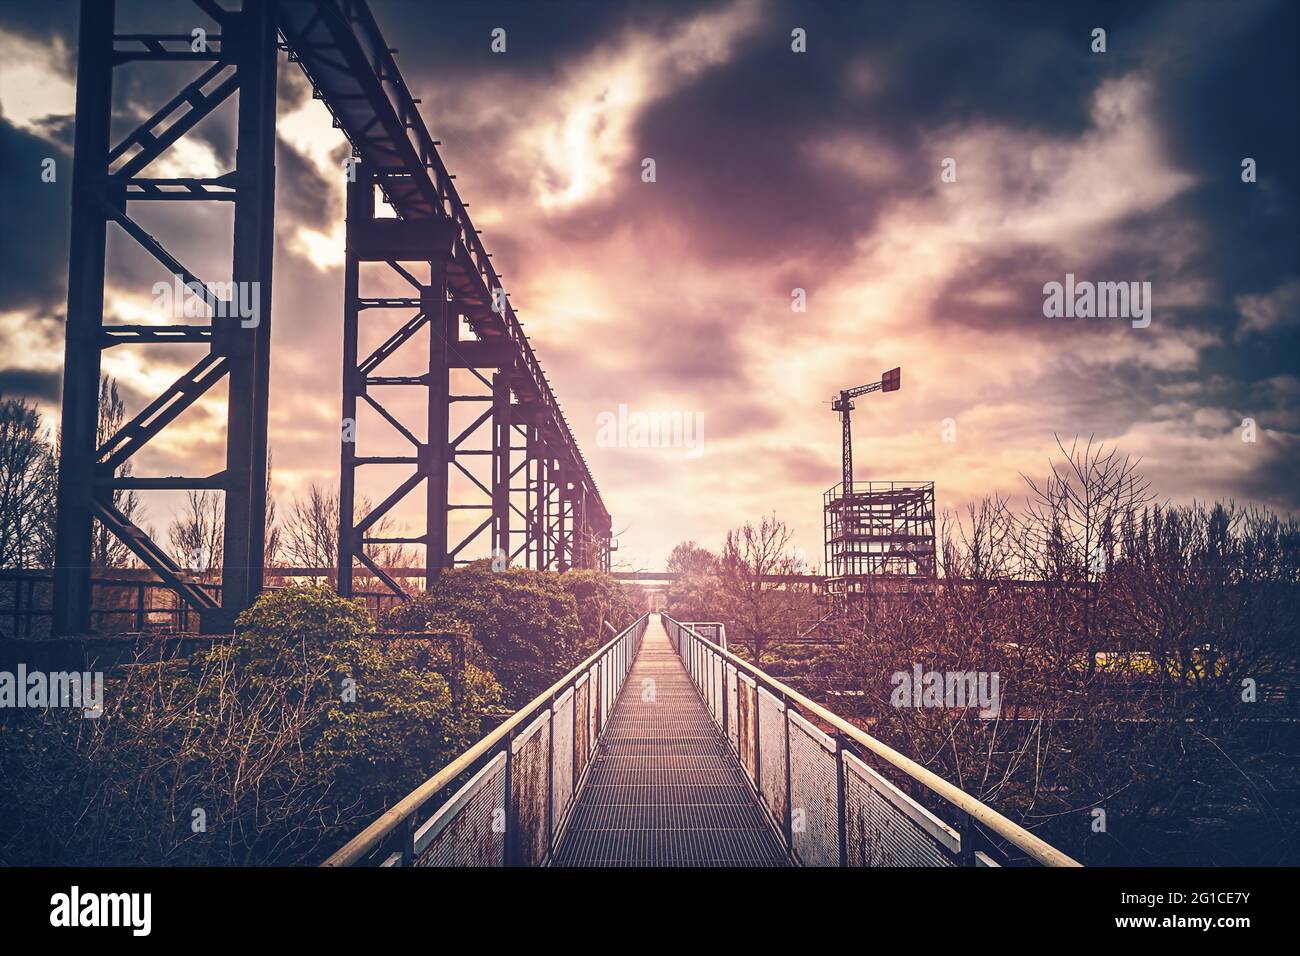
{"x": 543, "y": 507}
{"x": 877, "y": 533}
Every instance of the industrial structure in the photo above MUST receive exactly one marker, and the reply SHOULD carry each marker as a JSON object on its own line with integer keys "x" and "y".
{"x": 879, "y": 533}
{"x": 540, "y": 503}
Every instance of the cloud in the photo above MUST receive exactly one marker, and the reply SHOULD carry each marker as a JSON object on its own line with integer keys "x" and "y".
{"x": 32, "y": 384}
{"x": 778, "y": 170}
{"x": 1273, "y": 311}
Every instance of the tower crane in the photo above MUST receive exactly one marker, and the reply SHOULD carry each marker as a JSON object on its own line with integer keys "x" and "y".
{"x": 889, "y": 382}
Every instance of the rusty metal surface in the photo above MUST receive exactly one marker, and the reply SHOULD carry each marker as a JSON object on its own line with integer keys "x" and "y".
{"x": 885, "y": 827}
{"x": 462, "y": 832}
{"x": 746, "y": 703}
{"x": 814, "y": 795}
{"x": 582, "y": 727}
{"x": 772, "y": 762}
{"x": 562, "y": 755}
{"x": 665, "y": 788}
{"x": 529, "y": 797}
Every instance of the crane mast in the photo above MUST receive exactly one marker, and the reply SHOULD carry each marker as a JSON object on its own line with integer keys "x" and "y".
{"x": 889, "y": 382}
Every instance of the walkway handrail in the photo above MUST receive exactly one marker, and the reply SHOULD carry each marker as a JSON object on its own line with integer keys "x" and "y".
{"x": 1034, "y": 847}
{"x": 611, "y": 663}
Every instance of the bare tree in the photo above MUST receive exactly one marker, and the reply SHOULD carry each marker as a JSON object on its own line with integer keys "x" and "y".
{"x": 762, "y": 607}
{"x": 1073, "y": 518}
{"x": 311, "y": 535}
{"x": 696, "y": 594}
{"x": 271, "y": 541}
{"x": 27, "y": 484}
{"x": 106, "y": 550}
{"x": 197, "y": 535}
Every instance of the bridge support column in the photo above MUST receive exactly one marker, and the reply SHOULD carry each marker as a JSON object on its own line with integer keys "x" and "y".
{"x": 248, "y": 348}
{"x": 501, "y": 432}
{"x": 108, "y": 182}
{"x": 396, "y": 243}
{"x": 443, "y": 330}
{"x": 85, "y": 320}
{"x": 360, "y": 207}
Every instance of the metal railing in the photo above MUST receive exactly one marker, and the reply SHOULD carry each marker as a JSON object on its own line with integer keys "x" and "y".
{"x": 507, "y": 800}
{"x": 125, "y": 605}
{"x": 811, "y": 771}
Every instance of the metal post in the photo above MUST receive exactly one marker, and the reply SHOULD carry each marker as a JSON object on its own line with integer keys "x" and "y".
{"x": 789, "y": 783}
{"x": 562, "y": 518}
{"x": 968, "y": 838}
{"x": 248, "y": 346}
{"x": 500, "y": 466}
{"x": 443, "y": 329}
{"x": 506, "y": 843}
{"x": 532, "y": 499}
{"x": 841, "y": 796}
{"x": 550, "y": 781}
{"x": 80, "y": 413}
{"x": 360, "y": 208}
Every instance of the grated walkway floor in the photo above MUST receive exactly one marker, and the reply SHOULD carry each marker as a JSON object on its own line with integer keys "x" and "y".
{"x": 665, "y": 789}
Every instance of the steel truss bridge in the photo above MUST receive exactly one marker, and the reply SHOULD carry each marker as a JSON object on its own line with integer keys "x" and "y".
{"x": 540, "y": 506}
{"x": 665, "y": 749}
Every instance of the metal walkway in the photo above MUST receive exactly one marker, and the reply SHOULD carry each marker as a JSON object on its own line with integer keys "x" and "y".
{"x": 653, "y": 752}
{"x": 665, "y": 789}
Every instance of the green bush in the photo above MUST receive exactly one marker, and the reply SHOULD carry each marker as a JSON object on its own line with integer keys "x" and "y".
{"x": 387, "y": 730}
{"x": 282, "y": 743}
{"x": 602, "y": 600}
{"x": 525, "y": 622}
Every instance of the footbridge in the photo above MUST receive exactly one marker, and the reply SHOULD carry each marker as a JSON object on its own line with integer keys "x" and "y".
{"x": 665, "y": 749}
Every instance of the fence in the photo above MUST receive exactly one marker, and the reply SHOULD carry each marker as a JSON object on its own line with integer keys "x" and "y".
{"x": 515, "y": 789}
{"x": 813, "y": 775}
{"x": 120, "y": 604}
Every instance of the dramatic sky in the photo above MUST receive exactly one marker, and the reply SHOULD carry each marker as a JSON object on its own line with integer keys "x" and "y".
{"x": 775, "y": 170}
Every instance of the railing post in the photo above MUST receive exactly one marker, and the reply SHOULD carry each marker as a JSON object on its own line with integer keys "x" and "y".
{"x": 726, "y": 702}
{"x": 510, "y": 763}
{"x": 139, "y": 607}
{"x": 841, "y": 783}
{"x": 789, "y": 788}
{"x": 550, "y": 780}
{"x": 408, "y": 841}
{"x": 968, "y": 838}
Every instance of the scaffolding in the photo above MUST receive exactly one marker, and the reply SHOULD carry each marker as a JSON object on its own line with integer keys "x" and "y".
{"x": 878, "y": 534}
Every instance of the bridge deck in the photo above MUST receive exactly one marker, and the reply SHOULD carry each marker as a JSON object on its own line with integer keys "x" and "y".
{"x": 665, "y": 789}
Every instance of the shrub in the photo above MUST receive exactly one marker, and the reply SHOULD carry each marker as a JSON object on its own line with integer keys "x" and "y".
{"x": 602, "y": 600}
{"x": 525, "y": 622}
{"x": 285, "y": 740}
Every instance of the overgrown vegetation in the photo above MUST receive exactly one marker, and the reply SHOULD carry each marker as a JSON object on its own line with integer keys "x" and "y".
{"x": 1145, "y": 656}
{"x": 533, "y": 627}
{"x": 267, "y": 749}
{"x": 277, "y": 745}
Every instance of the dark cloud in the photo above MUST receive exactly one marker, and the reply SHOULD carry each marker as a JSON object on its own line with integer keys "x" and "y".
{"x": 31, "y": 384}
{"x": 33, "y": 240}
{"x": 302, "y": 196}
